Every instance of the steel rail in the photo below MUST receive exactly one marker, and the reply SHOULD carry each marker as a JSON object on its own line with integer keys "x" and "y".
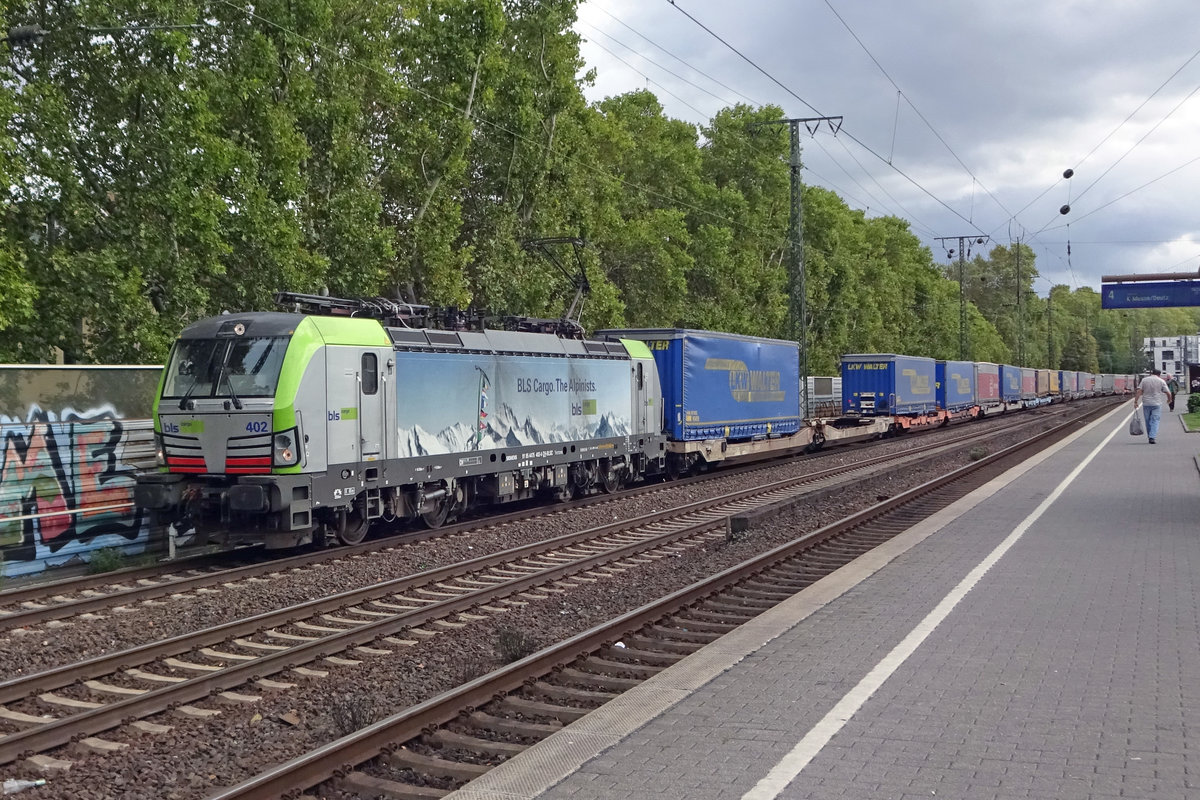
{"x": 166, "y": 584}
{"x": 63, "y": 730}
{"x": 67, "y": 729}
{"x": 17, "y": 688}
{"x": 174, "y": 585}
{"x": 310, "y": 769}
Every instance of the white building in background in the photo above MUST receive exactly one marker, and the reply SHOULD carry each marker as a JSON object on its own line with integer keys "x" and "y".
{"x": 1172, "y": 354}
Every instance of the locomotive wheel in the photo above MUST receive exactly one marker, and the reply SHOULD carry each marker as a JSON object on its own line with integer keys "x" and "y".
{"x": 437, "y": 518}
{"x": 610, "y": 479}
{"x": 353, "y": 525}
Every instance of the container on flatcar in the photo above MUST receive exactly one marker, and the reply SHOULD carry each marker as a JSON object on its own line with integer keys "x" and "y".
{"x": 883, "y": 384}
{"x": 955, "y": 385}
{"x": 824, "y": 396}
{"x": 1087, "y": 384}
{"x": 1010, "y": 383}
{"x": 1107, "y": 383}
{"x": 1044, "y": 382}
{"x": 1070, "y": 383}
{"x": 723, "y": 385}
{"x": 1028, "y": 383}
{"x": 987, "y": 383}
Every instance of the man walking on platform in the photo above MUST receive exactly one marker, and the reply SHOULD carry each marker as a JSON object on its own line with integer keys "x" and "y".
{"x": 1153, "y": 393}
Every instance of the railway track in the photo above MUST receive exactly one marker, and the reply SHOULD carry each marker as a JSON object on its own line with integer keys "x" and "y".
{"x": 91, "y": 594}
{"x": 430, "y": 749}
{"x": 174, "y": 673}
{"x": 109, "y": 691}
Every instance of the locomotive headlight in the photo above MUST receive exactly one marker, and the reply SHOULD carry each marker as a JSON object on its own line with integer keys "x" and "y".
{"x": 286, "y": 452}
{"x": 160, "y": 458}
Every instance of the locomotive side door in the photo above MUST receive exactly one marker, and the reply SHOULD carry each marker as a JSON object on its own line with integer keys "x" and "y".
{"x": 371, "y": 391}
{"x": 647, "y": 413}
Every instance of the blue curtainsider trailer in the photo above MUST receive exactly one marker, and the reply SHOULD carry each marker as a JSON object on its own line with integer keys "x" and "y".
{"x": 723, "y": 385}
{"x": 1010, "y": 383}
{"x": 955, "y": 385}
{"x": 884, "y": 384}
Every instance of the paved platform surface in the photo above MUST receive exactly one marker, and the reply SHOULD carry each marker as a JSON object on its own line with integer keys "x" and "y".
{"x": 1038, "y": 639}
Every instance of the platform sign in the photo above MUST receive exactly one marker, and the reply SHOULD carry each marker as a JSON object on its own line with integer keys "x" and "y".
{"x": 1157, "y": 294}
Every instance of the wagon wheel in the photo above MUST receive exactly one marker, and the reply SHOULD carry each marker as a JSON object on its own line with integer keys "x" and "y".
{"x": 675, "y": 469}
{"x": 437, "y": 518}
{"x": 353, "y": 524}
{"x": 818, "y": 440}
{"x": 610, "y": 479}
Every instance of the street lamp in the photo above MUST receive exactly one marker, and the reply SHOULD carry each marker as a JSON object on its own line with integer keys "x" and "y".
{"x": 24, "y": 34}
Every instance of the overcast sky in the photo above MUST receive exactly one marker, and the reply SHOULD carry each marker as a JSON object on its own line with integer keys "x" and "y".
{"x": 996, "y": 100}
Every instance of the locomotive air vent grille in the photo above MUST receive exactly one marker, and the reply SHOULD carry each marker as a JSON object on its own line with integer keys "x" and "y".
{"x": 407, "y": 336}
{"x": 444, "y": 338}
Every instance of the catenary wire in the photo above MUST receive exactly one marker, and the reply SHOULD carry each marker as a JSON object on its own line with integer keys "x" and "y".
{"x": 808, "y": 105}
{"x": 877, "y": 201}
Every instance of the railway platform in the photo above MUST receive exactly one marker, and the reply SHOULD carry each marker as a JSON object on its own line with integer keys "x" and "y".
{"x": 1040, "y": 638}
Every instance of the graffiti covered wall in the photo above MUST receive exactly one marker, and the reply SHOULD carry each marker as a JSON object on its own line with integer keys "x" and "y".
{"x": 71, "y": 441}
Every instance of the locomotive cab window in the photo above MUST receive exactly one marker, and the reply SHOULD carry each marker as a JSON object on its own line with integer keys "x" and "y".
{"x": 641, "y": 377}
{"x": 245, "y": 367}
{"x": 370, "y": 373}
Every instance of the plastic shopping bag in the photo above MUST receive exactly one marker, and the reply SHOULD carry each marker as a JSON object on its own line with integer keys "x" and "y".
{"x": 1135, "y": 423}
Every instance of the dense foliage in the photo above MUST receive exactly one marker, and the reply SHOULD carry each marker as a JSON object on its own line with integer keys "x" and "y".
{"x": 155, "y": 175}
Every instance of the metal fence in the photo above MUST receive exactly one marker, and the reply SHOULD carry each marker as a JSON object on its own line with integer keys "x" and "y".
{"x": 73, "y": 439}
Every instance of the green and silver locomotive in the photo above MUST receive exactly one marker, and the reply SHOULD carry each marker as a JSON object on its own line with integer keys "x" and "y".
{"x": 289, "y": 428}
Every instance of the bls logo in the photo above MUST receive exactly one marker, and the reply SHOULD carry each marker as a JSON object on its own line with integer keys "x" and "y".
{"x": 334, "y": 416}
{"x": 170, "y": 427}
{"x": 576, "y": 409}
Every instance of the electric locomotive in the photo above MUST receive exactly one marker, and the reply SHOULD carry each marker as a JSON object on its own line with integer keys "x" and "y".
{"x": 284, "y": 428}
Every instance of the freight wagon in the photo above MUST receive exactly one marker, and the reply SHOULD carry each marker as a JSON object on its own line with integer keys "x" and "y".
{"x": 724, "y": 395}
{"x": 1028, "y": 386}
{"x": 1010, "y": 386}
{"x": 1069, "y": 380}
{"x": 987, "y": 387}
{"x": 902, "y": 387}
{"x": 956, "y": 388}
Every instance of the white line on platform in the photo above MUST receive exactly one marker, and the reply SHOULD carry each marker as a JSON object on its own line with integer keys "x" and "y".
{"x": 807, "y": 748}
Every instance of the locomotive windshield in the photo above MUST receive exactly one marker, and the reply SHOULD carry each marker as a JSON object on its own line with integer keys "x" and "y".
{"x": 233, "y": 368}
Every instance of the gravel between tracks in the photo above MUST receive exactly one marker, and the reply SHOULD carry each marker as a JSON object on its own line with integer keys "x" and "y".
{"x": 195, "y": 757}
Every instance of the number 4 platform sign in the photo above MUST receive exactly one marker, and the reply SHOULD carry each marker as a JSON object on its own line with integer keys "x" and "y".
{"x": 1155, "y": 294}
